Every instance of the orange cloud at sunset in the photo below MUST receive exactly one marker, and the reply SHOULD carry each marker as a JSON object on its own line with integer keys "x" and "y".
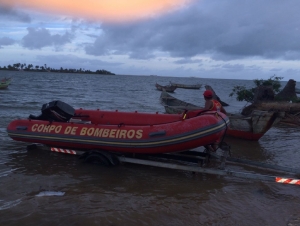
{"x": 109, "y": 10}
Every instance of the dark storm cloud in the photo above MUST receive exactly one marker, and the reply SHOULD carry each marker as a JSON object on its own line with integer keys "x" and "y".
{"x": 226, "y": 30}
{"x": 12, "y": 14}
{"x": 39, "y": 38}
{"x": 5, "y": 41}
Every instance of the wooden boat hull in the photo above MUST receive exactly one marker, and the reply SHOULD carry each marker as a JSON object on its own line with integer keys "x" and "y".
{"x": 167, "y": 88}
{"x": 248, "y": 128}
{"x": 123, "y": 132}
{"x": 254, "y": 126}
{"x": 3, "y": 86}
{"x": 184, "y": 86}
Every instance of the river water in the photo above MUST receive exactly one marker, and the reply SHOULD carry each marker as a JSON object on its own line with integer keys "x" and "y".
{"x": 78, "y": 193}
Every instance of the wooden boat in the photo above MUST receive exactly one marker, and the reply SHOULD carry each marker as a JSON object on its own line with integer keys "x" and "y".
{"x": 175, "y": 106}
{"x": 184, "y": 86}
{"x": 291, "y": 110}
{"x": 249, "y": 128}
{"x": 168, "y": 88}
{"x": 4, "y": 83}
{"x": 60, "y": 125}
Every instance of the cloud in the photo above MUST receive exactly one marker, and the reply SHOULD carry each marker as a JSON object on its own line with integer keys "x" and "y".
{"x": 233, "y": 67}
{"x": 226, "y": 30}
{"x": 41, "y": 37}
{"x": 216, "y": 37}
{"x": 12, "y": 14}
{"x": 5, "y": 41}
{"x": 188, "y": 61}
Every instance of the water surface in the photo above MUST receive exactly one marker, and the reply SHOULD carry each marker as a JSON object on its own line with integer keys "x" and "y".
{"x": 132, "y": 194}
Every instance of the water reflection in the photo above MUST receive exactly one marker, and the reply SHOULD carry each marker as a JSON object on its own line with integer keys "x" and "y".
{"x": 247, "y": 149}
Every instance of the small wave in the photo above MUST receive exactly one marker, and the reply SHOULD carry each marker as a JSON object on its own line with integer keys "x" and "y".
{"x": 6, "y": 205}
{"x": 50, "y": 193}
{"x": 6, "y": 173}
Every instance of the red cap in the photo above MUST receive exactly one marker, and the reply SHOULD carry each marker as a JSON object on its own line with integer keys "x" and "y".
{"x": 208, "y": 93}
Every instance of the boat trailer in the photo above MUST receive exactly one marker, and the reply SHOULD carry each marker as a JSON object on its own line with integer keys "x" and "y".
{"x": 190, "y": 160}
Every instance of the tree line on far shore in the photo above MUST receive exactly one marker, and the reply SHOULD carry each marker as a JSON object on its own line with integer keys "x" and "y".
{"x": 44, "y": 68}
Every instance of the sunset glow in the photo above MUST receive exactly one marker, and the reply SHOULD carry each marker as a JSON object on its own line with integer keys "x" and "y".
{"x": 108, "y": 10}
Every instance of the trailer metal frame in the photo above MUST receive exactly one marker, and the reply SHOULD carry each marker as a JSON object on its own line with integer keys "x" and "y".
{"x": 190, "y": 160}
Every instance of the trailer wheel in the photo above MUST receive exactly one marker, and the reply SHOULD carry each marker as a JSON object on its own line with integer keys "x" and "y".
{"x": 96, "y": 158}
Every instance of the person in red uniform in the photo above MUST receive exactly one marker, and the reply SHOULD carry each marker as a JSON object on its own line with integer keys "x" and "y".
{"x": 211, "y": 104}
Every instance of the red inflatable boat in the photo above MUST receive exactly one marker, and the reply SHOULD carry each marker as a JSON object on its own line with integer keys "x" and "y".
{"x": 60, "y": 125}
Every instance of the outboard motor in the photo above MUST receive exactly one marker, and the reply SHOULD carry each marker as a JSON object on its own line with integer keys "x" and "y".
{"x": 55, "y": 111}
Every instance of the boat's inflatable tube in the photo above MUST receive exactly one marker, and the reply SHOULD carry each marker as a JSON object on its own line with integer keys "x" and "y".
{"x": 114, "y": 131}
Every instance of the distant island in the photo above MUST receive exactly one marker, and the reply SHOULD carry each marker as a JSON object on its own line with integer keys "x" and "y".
{"x": 44, "y": 68}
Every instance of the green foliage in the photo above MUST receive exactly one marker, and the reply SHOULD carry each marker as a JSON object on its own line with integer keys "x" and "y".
{"x": 243, "y": 94}
{"x": 273, "y": 81}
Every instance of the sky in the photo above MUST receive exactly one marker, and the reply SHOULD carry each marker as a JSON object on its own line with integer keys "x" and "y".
{"x": 229, "y": 39}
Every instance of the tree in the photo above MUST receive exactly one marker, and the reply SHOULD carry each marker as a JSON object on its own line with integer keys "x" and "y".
{"x": 37, "y": 68}
{"x": 261, "y": 86}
